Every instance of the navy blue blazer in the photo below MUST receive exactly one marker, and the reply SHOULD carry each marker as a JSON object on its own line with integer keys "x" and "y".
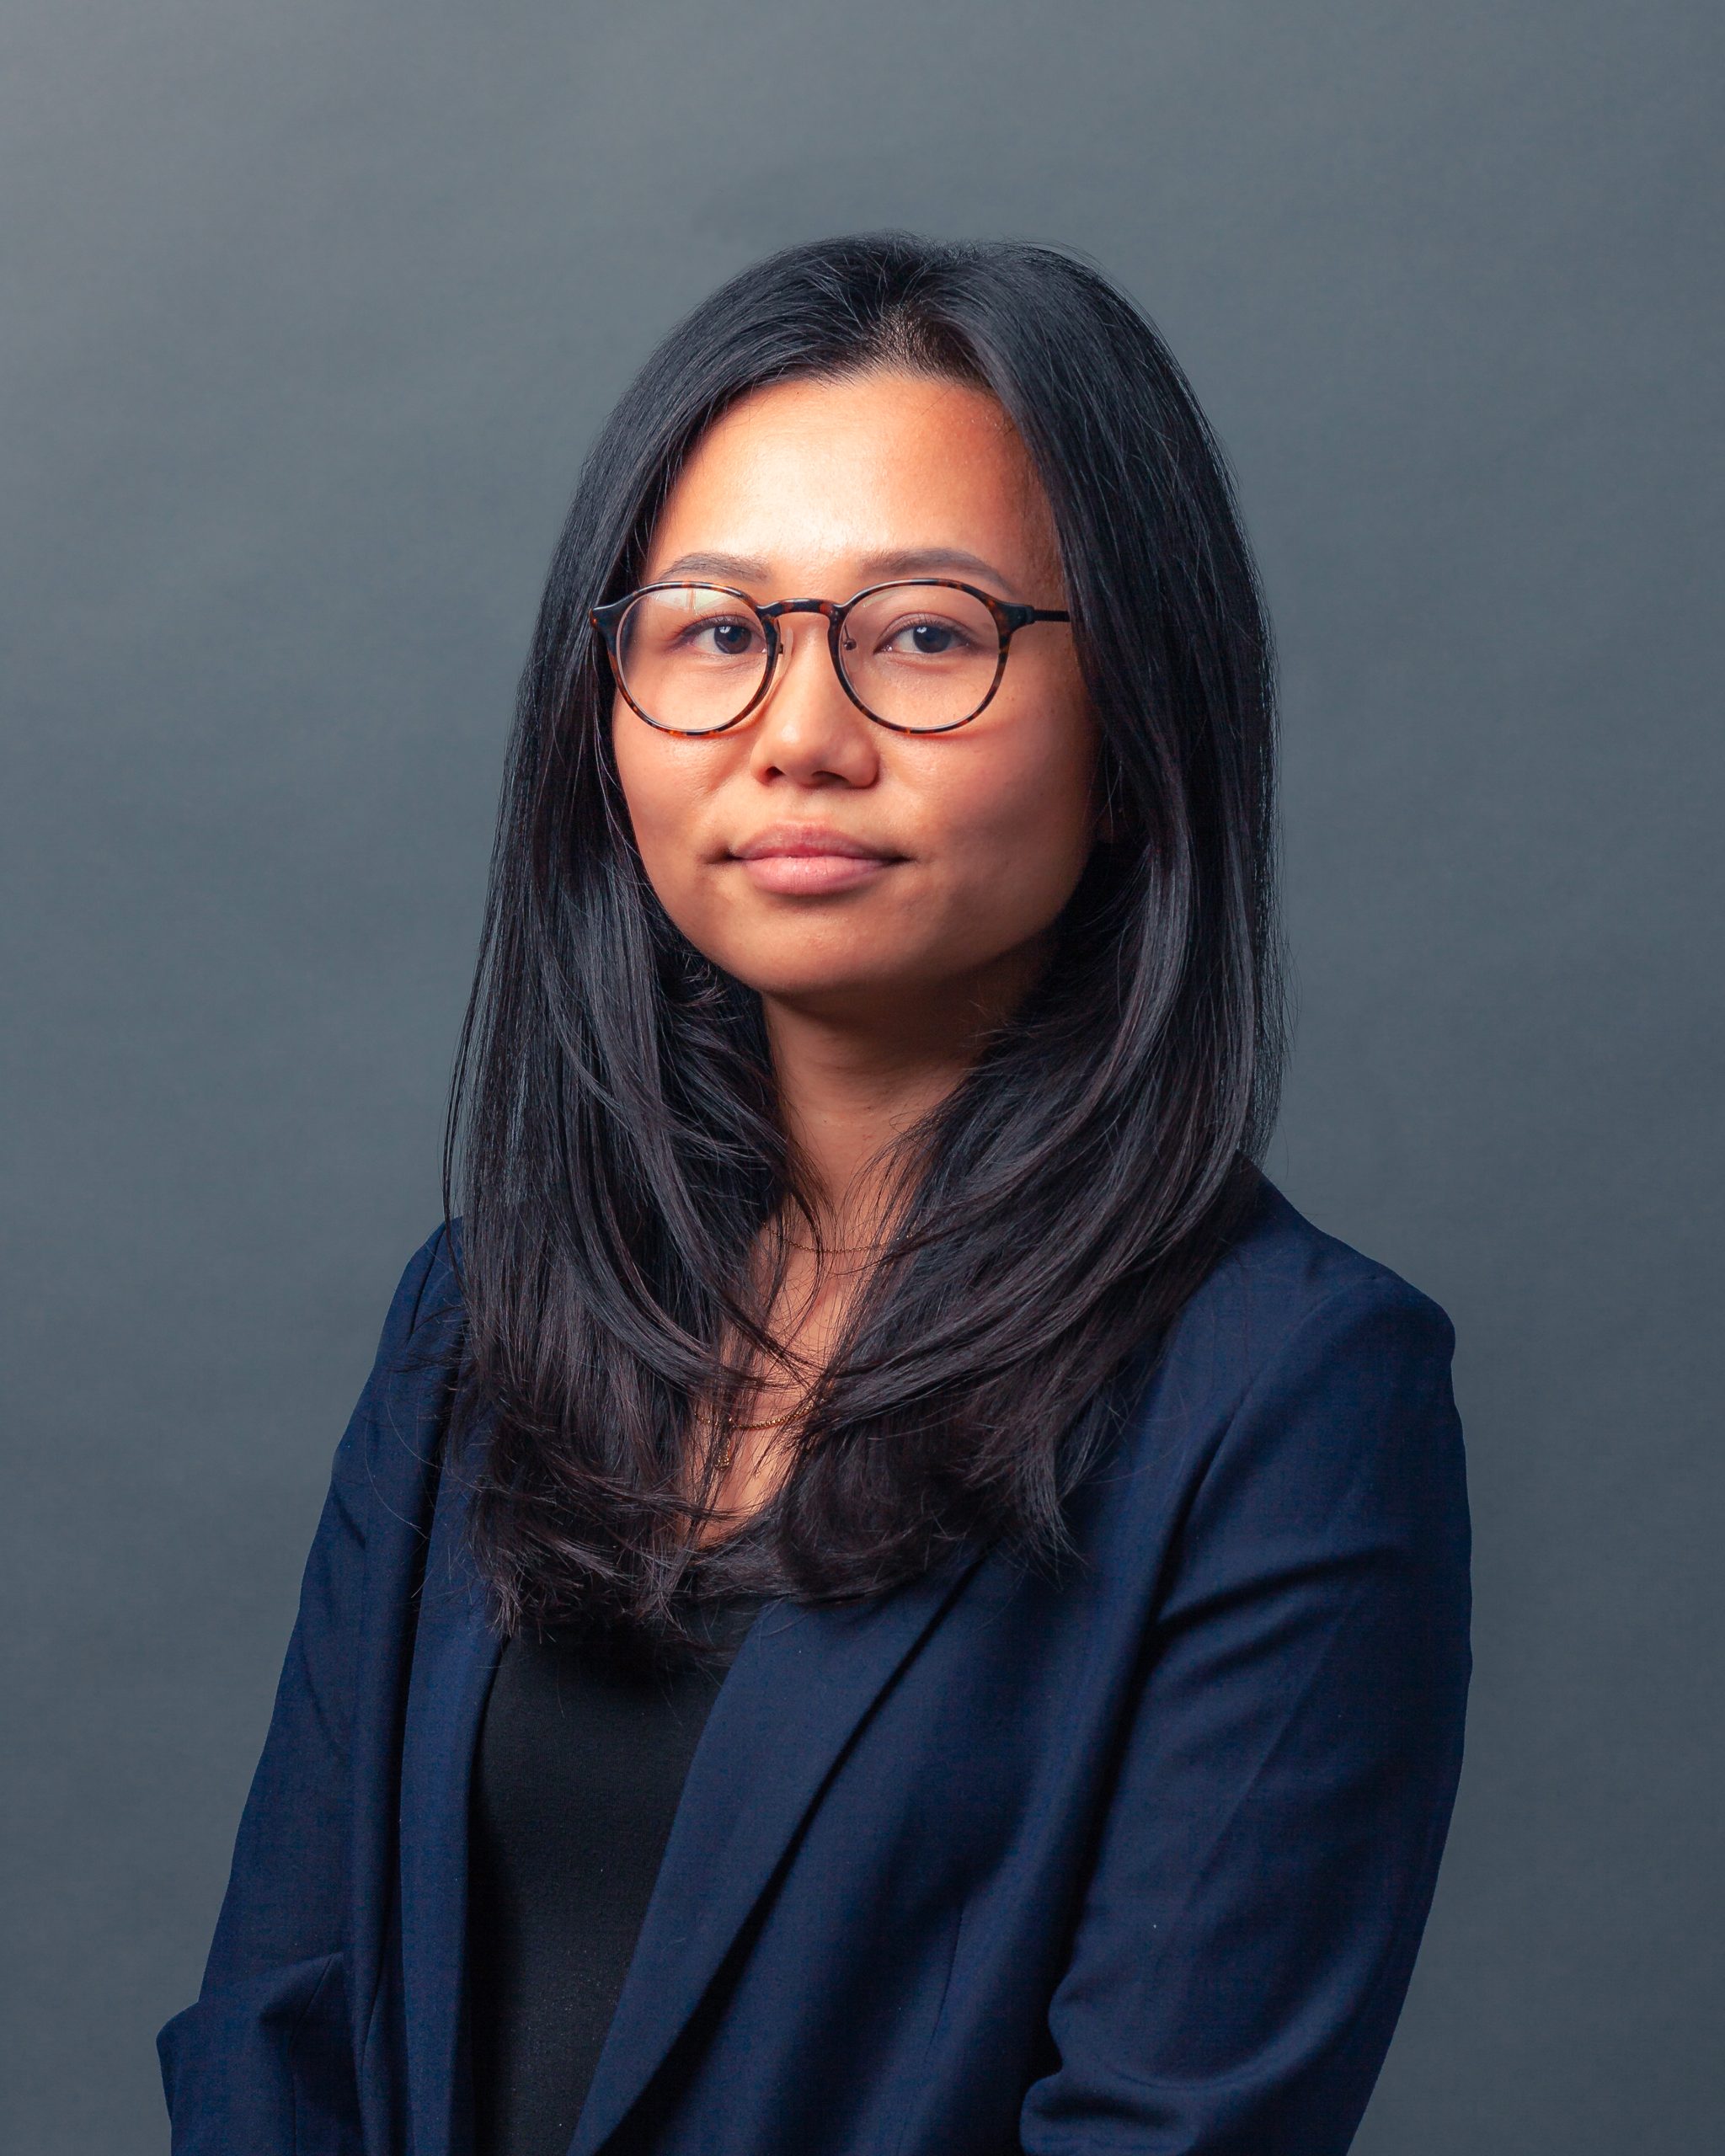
{"x": 1137, "y": 1860}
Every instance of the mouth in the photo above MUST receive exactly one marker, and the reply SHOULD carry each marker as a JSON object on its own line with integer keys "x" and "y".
{"x": 810, "y": 861}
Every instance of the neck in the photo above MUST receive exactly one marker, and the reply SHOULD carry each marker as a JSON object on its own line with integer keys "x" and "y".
{"x": 856, "y": 1074}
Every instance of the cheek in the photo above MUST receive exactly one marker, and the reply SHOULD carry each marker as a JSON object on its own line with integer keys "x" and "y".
{"x": 1019, "y": 821}
{"x": 664, "y": 792}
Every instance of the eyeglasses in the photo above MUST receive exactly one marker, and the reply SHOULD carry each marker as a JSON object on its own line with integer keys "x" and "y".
{"x": 921, "y": 656}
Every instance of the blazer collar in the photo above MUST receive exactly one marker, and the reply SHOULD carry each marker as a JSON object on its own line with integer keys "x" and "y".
{"x": 799, "y": 1688}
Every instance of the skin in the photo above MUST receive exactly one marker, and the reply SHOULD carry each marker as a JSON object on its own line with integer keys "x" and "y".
{"x": 879, "y": 977}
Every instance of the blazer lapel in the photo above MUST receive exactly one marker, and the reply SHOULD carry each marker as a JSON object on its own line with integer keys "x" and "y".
{"x": 802, "y": 1684}
{"x": 455, "y": 1654}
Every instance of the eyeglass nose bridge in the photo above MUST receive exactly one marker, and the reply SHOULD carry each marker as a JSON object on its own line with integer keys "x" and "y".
{"x": 832, "y": 612}
{"x": 826, "y": 608}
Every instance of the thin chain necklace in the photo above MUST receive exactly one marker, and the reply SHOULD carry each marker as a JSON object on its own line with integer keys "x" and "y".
{"x": 726, "y": 1450}
{"x": 831, "y": 1250}
{"x": 771, "y": 1422}
{"x": 733, "y": 1430}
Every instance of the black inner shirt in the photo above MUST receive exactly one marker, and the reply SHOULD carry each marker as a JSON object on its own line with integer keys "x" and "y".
{"x": 580, "y": 1770}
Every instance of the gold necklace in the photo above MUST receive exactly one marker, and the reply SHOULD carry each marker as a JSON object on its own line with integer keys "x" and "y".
{"x": 732, "y": 1430}
{"x": 772, "y": 1422}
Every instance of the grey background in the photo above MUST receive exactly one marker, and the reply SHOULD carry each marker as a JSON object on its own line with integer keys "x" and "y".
{"x": 310, "y": 312}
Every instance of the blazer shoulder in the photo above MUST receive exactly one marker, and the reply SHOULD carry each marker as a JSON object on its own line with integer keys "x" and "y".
{"x": 433, "y": 1274}
{"x": 422, "y": 1335}
{"x": 1281, "y": 1268}
{"x": 1300, "y": 1375}
{"x": 387, "y": 1456}
{"x": 429, "y": 1291}
{"x": 1285, "y": 1293}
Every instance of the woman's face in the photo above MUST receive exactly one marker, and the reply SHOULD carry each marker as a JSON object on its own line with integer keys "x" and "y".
{"x": 815, "y": 856}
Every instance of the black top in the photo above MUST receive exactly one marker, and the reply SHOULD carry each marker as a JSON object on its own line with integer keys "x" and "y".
{"x": 579, "y": 1771}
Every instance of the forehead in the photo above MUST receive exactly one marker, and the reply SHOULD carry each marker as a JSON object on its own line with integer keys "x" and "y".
{"x": 829, "y": 475}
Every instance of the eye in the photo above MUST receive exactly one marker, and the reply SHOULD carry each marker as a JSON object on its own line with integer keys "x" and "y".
{"x": 930, "y": 636}
{"x": 722, "y": 636}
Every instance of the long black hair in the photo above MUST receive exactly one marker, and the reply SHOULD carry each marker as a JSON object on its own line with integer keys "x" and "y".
{"x": 614, "y": 1138}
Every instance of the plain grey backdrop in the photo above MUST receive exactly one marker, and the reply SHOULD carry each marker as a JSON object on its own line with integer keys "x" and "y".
{"x": 310, "y": 312}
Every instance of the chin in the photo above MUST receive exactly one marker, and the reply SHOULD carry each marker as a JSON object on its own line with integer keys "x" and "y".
{"x": 865, "y": 979}
{"x": 816, "y": 985}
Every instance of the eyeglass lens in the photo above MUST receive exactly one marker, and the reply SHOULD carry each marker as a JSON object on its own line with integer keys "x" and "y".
{"x": 693, "y": 657}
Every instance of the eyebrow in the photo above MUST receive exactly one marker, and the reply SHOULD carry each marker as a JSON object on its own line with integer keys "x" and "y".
{"x": 916, "y": 561}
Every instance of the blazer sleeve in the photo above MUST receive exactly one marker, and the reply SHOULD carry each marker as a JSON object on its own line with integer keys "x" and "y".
{"x": 262, "y": 2061}
{"x": 1284, "y": 1788}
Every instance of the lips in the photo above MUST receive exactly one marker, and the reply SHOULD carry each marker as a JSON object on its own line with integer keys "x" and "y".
{"x": 809, "y": 842}
{"x": 811, "y": 860}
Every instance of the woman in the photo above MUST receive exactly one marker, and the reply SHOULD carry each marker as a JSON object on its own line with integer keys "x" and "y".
{"x": 886, "y": 1592}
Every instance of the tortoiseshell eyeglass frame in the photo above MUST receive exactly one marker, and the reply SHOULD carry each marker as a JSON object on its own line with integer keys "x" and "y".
{"x": 1008, "y": 620}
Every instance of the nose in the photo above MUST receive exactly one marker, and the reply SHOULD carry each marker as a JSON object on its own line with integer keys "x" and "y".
{"x": 808, "y": 730}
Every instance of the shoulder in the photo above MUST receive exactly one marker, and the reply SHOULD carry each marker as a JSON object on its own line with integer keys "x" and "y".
{"x": 422, "y": 1330}
{"x": 1279, "y": 1260}
{"x": 1283, "y": 1281}
{"x": 388, "y": 1453}
{"x": 422, "y": 1340}
{"x": 430, "y": 1287}
{"x": 1302, "y": 1372}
